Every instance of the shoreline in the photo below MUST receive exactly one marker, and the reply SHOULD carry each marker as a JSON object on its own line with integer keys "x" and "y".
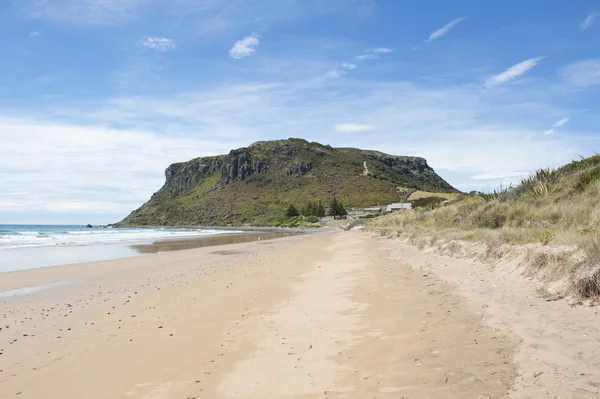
{"x": 300, "y": 230}
{"x": 57, "y": 256}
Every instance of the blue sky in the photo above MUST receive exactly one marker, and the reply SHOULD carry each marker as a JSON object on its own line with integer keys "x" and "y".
{"x": 98, "y": 97}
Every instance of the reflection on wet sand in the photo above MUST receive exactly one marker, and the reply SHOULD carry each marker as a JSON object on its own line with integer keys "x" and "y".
{"x": 223, "y": 239}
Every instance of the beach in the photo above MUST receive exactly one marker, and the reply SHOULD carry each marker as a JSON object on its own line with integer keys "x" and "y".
{"x": 307, "y": 316}
{"x": 335, "y": 313}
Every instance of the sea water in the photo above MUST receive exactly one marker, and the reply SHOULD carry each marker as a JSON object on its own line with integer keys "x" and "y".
{"x": 32, "y": 246}
{"x": 32, "y": 236}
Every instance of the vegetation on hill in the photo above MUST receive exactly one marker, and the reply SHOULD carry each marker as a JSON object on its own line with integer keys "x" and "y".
{"x": 314, "y": 208}
{"x": 559, "y": 208}
{"x": 417, "y": 194}
{"x": 336, "y": 209}
{"x": 255, "y": 184}
{"x": 428, "y": 202}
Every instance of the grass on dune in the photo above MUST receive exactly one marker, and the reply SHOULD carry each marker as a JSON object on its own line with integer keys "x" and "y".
{"x": 552, "y": 207}
{"x": 418, "y": 194}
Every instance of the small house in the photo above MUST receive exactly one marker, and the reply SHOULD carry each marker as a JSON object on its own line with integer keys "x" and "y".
{"x": 400, "y": 206}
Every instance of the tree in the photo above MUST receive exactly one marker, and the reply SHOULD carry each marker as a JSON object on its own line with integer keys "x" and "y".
{"x": 320, "y": 210}
{"x": 333, "y": 207}
{"x": 341, "y": 210}
{"x": 309, "y": 209}
{"x": 314, "y": 209}
{"x": 292, "y": 211}
{"x": 336, "y": 209}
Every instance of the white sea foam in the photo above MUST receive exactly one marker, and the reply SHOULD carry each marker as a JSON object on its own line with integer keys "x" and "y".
{"x": 46, "y": 237}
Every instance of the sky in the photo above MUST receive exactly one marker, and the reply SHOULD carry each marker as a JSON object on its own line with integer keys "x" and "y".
{"x": 98, "y": 97}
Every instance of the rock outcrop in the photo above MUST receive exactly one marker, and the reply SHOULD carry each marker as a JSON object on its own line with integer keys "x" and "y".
{"x": 252, "y": 183}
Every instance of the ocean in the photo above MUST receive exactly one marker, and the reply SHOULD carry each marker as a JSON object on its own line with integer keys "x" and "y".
{"x": 32, "y": 246}
{"x": 33, "y": 236}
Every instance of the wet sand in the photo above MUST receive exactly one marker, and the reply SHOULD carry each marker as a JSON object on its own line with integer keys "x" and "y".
{"x": 30, "y": 258}
{"x": 209, "y": 241}
{"x": 326, "y": 314}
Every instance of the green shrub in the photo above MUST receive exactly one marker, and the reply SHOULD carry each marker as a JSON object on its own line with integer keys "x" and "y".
{"x": 428, "y": 202}
{"x": 368, "y": 216}
{"x": 292, "y": 211}
{"x": 587, "y": 178}
{"x": 277, "y": 221}
{"x": 581, "y": 164}
{"x": 491, "y": 216}
{"x": 546, "y": 236}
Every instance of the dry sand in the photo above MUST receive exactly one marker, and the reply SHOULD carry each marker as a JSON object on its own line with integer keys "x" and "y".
{"x": 328, "y": 314}
{"x": 558, "y": 355}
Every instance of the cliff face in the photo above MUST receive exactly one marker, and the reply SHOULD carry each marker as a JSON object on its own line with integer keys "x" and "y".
{"x": 251, "y": 184}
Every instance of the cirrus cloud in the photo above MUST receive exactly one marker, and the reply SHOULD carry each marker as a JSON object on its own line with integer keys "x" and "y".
{"x": 582, "y": 73}
{"x": 588, "y": 21}
{"x": 444, "y": 29}
{"x": 561, "y": 122}
{"x": 373, "y": 54}
{"x": 514, "y": 71}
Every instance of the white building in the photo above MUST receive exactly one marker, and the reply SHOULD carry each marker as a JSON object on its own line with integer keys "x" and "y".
{"x": 400, "y": 206}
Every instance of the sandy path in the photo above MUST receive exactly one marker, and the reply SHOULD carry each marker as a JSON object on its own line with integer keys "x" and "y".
{"x": 320, "y": 315}
{"x": 360, "y": 326}
{"x": 559, "y": 352}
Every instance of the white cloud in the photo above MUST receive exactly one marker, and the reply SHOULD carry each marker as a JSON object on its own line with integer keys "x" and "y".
{"x": 73, "y": 168}
{"x": 582, "y": 73}
{"x": 245, "y": 47}
{"x": 588, "y": 21}
{"x": 444, "y": 29}
{"x": 333, "y": 74}
{"x": 159, "y": 43}
{"x": 367, "y": 56}
{"x": 460, "y": 129}
{"x": 514, "y": 71}
{"x": 34, "y": 34}
{"x": 495, "y": 176}
{"x": 382, "y": 50}
{"x": 561, "y": 122}
{"x": 373, "y": 54}
{"x": 338, "y": 73}
{"x": 352, "y": 127}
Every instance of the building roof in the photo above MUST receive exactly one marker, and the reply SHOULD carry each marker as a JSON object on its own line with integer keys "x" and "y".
{"x": 372, "y": 209}
{"x": 399, "y": 205}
